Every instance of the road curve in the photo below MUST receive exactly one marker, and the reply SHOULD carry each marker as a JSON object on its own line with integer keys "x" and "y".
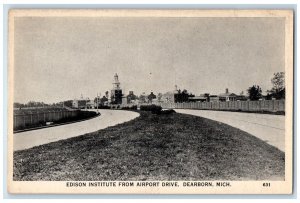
{"x": 269, "y": 128}
{"x": 29, "y": 139}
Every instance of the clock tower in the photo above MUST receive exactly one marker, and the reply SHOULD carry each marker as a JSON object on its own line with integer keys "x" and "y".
{"x": 116, "y": 92}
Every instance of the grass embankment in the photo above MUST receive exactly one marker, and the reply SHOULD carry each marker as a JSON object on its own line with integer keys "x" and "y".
{"x": 154, "y": 147}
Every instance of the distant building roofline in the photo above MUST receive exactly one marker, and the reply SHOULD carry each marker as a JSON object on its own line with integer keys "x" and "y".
{"x": 197, "y": 97}
{"x": 227, "y": 95}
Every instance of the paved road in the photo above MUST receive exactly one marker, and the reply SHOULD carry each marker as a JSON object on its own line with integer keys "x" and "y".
{"x": 269, "y": 128}
{"x": 107, "y": 118}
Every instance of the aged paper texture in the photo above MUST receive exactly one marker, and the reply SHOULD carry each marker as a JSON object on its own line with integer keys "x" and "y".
{"x": 150, "y": 101}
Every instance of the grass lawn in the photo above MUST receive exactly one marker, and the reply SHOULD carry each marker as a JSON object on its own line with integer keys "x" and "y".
{"x": 154, "y": 147}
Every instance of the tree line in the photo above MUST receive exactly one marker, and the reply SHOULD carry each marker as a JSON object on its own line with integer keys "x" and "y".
{"x": 277, "y": 91}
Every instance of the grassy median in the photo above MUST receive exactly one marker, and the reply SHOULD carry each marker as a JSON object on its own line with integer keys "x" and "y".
{"x": 154, "y": 147}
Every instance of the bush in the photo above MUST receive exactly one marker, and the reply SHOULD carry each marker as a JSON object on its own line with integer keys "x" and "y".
{"x": 153, "y": 108}
{"x": 86, "y": 114}
{"x": 134, "y": 107}
{"x": 103, "y": 107}
{"x": 167, "y": 112}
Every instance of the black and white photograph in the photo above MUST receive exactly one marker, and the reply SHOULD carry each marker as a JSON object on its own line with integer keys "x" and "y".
{"x": 150, "y": 101}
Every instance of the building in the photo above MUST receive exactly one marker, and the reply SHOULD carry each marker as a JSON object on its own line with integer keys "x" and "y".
{"x": 131, "y": 98}
{"x": 168, "y": 97}
{"x": 124, "y": 100}
{"x": 68, "y": 103}
{"x": 116, "y": 92}
{"x": 241, "y": 98}
{"x": 90, "y": 104}
{"x": 80, "y": 103}
{"x": 201, "y": 98}
{"x": 143, "y": 98}
{"x": 214, "y": 98}
{"x": 197, "y": 99}
{"x": 176, "y": 96}
{"x": 227, "y": 96}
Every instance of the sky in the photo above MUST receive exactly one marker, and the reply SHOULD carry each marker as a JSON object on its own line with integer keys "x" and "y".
{"x": 59, "y": 58}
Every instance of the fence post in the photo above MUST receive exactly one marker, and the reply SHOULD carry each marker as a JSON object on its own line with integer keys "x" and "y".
{"x": 277, "y": 105}
{"x": 282, "y": 105}
{"x": 24, "y": 120}
{"x": 30, "y": 118}
{"x": 259, "y": 105}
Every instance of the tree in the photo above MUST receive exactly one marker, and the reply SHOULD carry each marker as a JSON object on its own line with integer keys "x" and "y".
{"x": 18, "y": 105}
{"x": 159, "y": 96}
{"x": 131, "y": 97}
{"x": 254, "y": 92}
{"x": 151, "y": 96}
{"x": 103, "y": 99}
{"x": 182, "y": 96}
{"x": 68, "y": 103}
{"x": 278, "y": 89}
{"x": 142, "y": 98}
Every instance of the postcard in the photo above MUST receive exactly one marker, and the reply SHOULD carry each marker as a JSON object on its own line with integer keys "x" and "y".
{"x": 150, "y": 101}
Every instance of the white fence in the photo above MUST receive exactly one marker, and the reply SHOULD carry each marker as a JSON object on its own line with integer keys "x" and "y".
{"x": 263, "y": 105}
{"x": 23, "y": 120}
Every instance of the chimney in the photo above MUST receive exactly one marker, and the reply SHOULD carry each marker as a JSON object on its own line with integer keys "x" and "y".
{"x": 227, "y": 91}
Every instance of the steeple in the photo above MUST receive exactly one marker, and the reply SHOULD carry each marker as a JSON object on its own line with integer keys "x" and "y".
{"x": 116, "y": 93}
{"x": 116, "y": 83}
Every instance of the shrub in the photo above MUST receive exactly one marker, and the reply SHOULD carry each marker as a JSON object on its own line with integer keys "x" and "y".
{"x": 103, "y": 107}
{"x": 167, "y": 112}
{"x": 86, "y": 114}
{"x": 153, "y": 108}
{"x": 134, "y": 107}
